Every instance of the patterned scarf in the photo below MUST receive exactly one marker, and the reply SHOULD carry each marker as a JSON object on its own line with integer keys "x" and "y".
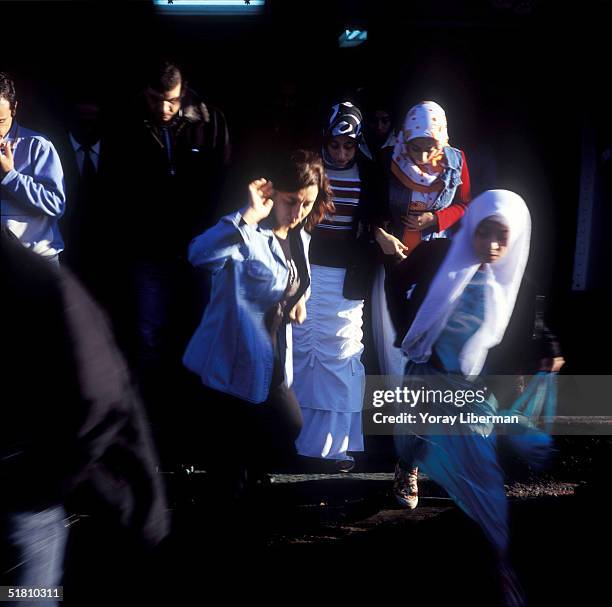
{"x": 344, "y": 119}
{"x": 426, "y": 119}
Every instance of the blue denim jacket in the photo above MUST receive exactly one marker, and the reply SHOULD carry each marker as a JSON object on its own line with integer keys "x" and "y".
{"x": 400, "y": 196}
{"x": 231, "y": 350}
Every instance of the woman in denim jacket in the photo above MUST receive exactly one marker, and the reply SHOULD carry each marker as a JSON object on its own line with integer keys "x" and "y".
{"x": 429, "y": 190}
{"x": 258, "y": 258}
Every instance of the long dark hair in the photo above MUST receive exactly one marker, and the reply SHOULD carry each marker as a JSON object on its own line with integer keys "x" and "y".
{"x": 298, "y": 170}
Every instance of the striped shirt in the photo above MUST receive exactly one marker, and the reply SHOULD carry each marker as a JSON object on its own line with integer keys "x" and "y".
{"x": 331, "y": 239}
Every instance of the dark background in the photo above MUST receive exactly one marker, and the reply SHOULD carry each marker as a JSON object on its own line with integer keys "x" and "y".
{"x": 524, "y": 78}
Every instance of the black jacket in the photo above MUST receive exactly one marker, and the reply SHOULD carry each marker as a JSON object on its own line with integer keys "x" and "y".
{"x": 364, "y": 254}
{"x": 527, "y": 339}
{"x": 373, "y": 207}
{"x": 71, "y": 417}
{"x": 86, "y": 223}
{"x": 165, "y": 186}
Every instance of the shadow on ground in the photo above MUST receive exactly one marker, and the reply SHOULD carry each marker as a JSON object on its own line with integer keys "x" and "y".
{"x": 342, "y": 539}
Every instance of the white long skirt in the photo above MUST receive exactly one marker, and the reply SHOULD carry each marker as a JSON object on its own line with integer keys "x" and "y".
{"x": 329, "y": 378}
{"x": 391, "y": 360}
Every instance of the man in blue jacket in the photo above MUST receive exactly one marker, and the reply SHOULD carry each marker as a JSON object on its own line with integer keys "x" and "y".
{"x": 32, "y": 192}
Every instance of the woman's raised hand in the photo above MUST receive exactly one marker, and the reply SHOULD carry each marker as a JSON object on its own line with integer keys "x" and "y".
{"x": 260, "y": 201}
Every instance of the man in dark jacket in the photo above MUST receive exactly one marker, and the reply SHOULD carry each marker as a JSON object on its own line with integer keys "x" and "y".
{"x": 71, "y": 421}
{"x": 175, "y": 170}
{"x": 81, "y": 145}
{"x": 171, "y": 165}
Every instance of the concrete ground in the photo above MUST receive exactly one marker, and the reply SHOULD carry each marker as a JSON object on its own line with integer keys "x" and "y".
{"x": 340, "y": 538}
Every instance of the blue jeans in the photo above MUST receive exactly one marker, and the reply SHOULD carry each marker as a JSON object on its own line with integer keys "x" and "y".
{"x": 35, "y": 543}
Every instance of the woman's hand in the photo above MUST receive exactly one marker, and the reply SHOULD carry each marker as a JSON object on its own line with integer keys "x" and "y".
{"x": 389, "y": 244}
{"x": 298, "y": 312}
{"x": 260, "y": 201}
{"x": 419, "y": 222}
{"x": 552, "y": 365}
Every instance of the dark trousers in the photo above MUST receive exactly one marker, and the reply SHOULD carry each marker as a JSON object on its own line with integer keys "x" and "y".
{"x": 168, "y": 298}
{"x": 235, "y": 434}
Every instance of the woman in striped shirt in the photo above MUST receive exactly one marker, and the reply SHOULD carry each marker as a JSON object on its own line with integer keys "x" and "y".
{"x": 329, "y": 378}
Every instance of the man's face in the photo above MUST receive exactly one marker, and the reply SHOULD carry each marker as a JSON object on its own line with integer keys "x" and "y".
{"x": 85, "y": 118}
{"x": 380, "y": 125}
{"x": 6, "y": 117}
{"x": 164, "y": 106}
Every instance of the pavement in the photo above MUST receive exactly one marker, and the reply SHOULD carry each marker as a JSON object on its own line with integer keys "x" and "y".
{"x": 325, "y": 537}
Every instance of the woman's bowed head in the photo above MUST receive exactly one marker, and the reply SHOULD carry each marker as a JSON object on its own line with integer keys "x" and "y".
{"x": 497, "y": 224}
{"x": 419, "y": 155}
{"x": 342, "y": 135}
{"x": 289, "y": 209}
{"x": 301, "y": 198}
{"x": 302, "y": 194}
{"x": 423, "y": 150}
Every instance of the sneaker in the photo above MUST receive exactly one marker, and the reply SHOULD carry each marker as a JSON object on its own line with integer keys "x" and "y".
{"x": 405, "y": 487}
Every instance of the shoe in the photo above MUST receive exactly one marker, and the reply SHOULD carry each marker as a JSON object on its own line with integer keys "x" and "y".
{"x": 345, "y": 465}
{"x": 405, "y": 487}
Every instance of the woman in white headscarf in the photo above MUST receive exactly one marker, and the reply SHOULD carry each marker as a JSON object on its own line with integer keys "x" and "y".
{"x": 468, "y": 312}
{"x": 429, "y": 190}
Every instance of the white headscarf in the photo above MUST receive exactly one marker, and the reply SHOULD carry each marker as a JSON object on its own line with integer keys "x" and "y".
{"x": 503, "y": 279}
